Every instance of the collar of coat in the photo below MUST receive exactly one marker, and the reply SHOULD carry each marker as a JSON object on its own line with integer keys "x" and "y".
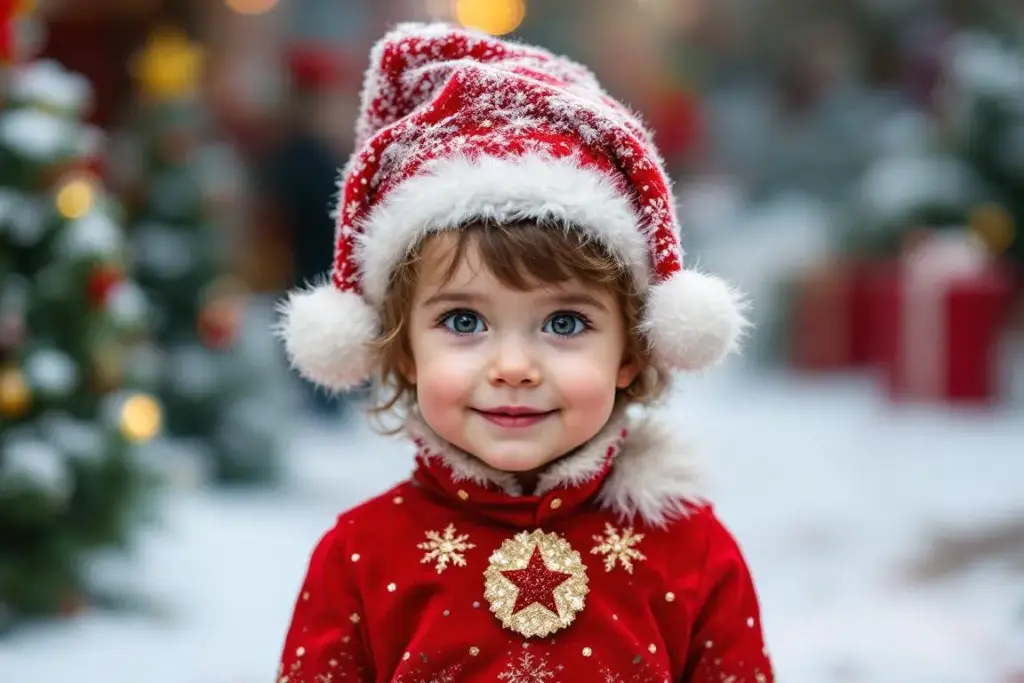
{"x": 637, "y": 467}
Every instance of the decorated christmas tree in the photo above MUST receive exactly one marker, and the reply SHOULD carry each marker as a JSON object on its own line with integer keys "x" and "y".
{"x": 217, "y": 392}
{"x": 959, "y": 166}
{"x": 75, "y": 362}
{"x": 985, "y": 119}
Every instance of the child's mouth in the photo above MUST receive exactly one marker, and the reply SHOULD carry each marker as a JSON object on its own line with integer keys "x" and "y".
{"x": 514, "y": 416}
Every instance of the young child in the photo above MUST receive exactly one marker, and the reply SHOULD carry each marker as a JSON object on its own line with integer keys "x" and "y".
{"x": 508, "y": 266}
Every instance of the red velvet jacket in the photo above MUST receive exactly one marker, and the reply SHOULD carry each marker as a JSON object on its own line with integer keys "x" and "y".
{"x": 613, "y": 571}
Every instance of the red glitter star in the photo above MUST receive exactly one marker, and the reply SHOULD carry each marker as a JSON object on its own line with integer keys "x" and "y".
{"x": 536, "y": 583}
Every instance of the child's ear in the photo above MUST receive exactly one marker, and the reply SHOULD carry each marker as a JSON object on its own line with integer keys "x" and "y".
{"x": 628, "y": 371}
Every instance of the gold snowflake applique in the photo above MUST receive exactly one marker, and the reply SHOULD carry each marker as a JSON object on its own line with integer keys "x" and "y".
{"x": 528, "y": 669}
{"x": 617, "y": 547}
{"x": 444, "y": 547}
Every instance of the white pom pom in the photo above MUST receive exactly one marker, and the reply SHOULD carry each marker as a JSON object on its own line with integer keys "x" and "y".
{"x": 693, "y": 321}
{"x": 327, "y": 335}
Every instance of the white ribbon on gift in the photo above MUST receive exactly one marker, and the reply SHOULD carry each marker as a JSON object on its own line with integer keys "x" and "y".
{"x": 929, "y": 272}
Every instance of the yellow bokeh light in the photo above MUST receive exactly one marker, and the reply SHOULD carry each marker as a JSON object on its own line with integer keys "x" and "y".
{"x": 141, "y": 418}
{"x": 496, "y": 17}
{"x": 251, "y": 6}
{"x": 170, "y": 66}
{"x": 75, "y": 198}
{"x": 15, "y": 395}
{"x": 993, "y": 224}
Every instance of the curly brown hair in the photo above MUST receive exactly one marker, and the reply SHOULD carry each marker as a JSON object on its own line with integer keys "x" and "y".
{"x": 521, "y": 256}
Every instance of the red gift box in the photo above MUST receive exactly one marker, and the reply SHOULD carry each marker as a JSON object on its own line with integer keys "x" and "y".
{"x": 938, "y": 319}
{"x": 828, "y": 321}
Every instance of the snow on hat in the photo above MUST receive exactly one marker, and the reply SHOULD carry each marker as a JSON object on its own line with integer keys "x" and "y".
{"x": 457, "y": 127}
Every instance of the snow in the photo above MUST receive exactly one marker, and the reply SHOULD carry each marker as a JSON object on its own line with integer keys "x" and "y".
{"x": 51, "y": 371}
{"x": 38, "y": 135}
{"x": 832, "y": 491}
{"x": 29, "y": 459}
{"x": 94, "y": 234}
{"x": 46, "y": 83}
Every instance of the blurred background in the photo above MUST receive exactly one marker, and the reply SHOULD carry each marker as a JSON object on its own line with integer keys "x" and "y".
{"x": 166, "y": 168}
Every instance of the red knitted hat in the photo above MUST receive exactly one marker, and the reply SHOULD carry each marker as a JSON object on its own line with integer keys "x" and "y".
{"x": 457, "y": 127}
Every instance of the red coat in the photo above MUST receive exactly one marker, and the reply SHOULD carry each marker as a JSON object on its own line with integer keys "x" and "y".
{"x": 614, "y": 571}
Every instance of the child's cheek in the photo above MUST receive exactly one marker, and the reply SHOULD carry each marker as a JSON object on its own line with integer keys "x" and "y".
{"x": 445, "y": 383}
{"x": 585, "y": 383}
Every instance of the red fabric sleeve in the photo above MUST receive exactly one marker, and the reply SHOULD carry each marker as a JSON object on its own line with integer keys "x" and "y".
{"x": 327, "y": 639}
{"x": 727, "y": 642}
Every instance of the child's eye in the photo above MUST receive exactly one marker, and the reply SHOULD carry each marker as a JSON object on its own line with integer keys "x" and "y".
{"x": 566, "y": 324}
{"x": 463, "y": 322}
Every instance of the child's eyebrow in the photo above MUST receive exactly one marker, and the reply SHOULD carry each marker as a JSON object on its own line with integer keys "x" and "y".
{"x": 578, "y": 299}
{"x": 453, "y": 298}
{"x": 468, "y": 299}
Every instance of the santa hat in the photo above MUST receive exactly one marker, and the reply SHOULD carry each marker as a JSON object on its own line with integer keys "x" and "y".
{"x": 457, "y": 127}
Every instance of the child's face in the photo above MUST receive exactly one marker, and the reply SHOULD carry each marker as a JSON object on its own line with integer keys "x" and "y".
{"x": 517, "y": 379}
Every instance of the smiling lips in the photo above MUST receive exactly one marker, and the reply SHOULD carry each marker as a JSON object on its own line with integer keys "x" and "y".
{"x": 514, "y": 416}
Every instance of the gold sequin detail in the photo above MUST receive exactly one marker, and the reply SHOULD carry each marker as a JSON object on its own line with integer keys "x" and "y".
{"x": 474, "y": 651}
{"x": 463, "y": 495}
{"x": 397, "y": 500}
{"x": 301, "y": 651}
{"x": 652, "y": 648}
{"x": 406, "y": 656}
{"x": 587, "y": 652}
{"x": 355, "y": 557}
{"x": 670, "y": 596}
{"x": 556, "y": 503}
{"x": 354, "y": 618}
{"x": 392, "y": 587}
{"x": 536, "y": 620}
{"x": 305, "y": 596}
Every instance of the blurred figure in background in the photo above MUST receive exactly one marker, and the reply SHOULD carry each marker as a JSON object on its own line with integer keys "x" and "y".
{"x": 298, "y": 177}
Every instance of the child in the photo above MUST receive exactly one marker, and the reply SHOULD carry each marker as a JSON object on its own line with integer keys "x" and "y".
{"x": 507, "y": 264}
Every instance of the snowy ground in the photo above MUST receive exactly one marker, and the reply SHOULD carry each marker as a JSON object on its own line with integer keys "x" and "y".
{"x": 831, "y": 491}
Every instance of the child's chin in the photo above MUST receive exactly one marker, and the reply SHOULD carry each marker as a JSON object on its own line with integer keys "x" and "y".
{"x": 514, "y": 461}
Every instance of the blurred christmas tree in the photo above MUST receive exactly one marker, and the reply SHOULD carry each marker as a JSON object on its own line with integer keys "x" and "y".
{"x": 74, "y": 360}
{"x": 961, "y": 164}
{"x": 985, "y": 122}
{"x": 183, "y": 194}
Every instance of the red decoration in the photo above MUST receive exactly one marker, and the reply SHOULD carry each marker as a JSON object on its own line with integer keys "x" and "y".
{"x": 536, "y": 583}
{"x": 314, "y": 68}
{"x": 102, "y": 282}
{"x": 678, "y": 124}
{"x": 6, "y": 31}
{"x": 939, "y": 336}
{"x": 219, "y": 323}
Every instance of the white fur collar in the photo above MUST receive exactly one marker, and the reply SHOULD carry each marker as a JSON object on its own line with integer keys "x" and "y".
{"x": 654, "y": 473}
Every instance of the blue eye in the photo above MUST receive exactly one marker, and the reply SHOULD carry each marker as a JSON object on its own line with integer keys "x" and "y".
{"x": 565, "y": 325}
{"x": 463, "y": 322}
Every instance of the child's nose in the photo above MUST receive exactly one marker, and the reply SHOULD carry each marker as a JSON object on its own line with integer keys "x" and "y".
{"x": 514, "y": 365}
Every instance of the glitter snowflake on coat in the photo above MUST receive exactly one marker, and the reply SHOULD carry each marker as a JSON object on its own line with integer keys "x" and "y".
{"x": 528, "y": 669}
{"x": 617, "y": 548}
{"x": 444, "y": 547}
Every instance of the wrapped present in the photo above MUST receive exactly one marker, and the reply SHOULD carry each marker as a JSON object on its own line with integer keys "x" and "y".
{"x": 938, "y": 316}
{"x": 828, "y": 317}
